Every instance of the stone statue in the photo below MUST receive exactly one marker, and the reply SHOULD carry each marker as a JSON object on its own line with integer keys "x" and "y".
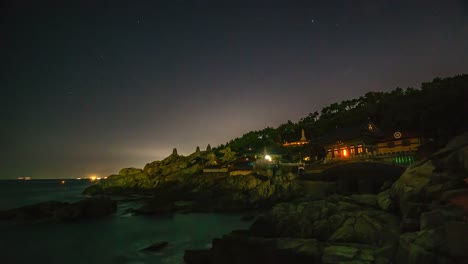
{"x": 303, "y": 137}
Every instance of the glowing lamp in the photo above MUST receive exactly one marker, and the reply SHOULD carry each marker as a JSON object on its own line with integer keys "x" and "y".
{"x": 268, "y": 157}
{"x": 345, "y": 153}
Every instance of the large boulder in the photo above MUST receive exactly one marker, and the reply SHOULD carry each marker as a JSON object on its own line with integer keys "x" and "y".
{"x": 454, "y": 156}
{"x": 445, "y": 244}
{"x": 96, "y": 207}
{"x": 336, "y": 219}
{"x": 412, "y": 184}
{"x": 437, "y": 181}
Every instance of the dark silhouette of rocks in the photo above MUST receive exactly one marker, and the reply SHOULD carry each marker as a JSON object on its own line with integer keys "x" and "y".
{"x": 93, "y": 207}
{"x": 156, "y": 246}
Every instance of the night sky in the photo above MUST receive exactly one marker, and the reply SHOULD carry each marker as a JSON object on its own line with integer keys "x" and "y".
{"x": 91, "y": 88}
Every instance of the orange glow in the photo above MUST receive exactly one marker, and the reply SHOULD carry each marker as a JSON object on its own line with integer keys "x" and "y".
{"x": 295, "y": 143}
{"x": 345, "y": 153}
{"x": 93, "y": 178}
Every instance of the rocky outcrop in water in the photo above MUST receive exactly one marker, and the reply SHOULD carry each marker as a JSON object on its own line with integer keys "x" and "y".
{"x": 60, "y": 211}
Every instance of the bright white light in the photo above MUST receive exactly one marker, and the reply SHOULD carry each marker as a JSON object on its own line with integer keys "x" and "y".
{"x": 268, "y": 157}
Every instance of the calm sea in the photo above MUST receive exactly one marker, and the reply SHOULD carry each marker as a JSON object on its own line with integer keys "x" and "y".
{"x": 114, "y": 239}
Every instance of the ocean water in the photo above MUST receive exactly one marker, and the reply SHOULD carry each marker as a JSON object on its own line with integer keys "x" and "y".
{"x": 114, "y": 239}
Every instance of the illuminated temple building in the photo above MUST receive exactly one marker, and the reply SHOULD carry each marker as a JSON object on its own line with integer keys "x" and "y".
{"x": 365, "y": 142}
{"x": 370, "y": 142}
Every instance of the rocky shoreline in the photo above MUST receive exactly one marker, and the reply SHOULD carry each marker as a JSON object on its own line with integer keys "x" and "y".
{"x": 421, "y": 217}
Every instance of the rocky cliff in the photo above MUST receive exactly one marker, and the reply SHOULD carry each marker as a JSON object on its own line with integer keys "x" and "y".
{"x": 178, "y": 178}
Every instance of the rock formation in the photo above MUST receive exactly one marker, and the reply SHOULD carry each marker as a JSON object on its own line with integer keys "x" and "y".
{"x": 59, "y": 211}
{"x": 179, "y": 178}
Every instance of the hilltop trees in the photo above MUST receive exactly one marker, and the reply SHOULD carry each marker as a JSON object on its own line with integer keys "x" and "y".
{"x": 436, "y": 110}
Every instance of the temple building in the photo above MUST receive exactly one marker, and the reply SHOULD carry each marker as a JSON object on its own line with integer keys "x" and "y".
{"x": 369, "y": 142}
{"x": 350, "y": 142}
{"x": 363, "y": 142}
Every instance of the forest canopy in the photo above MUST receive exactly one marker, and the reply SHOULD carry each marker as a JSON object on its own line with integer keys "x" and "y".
{"x": 436, "y": 110}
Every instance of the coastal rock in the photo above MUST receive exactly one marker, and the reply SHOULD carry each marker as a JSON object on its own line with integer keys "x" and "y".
{"x": 96, "y": 206}
{"x": 454, "y": 156}
{"x": 439, "y": 216}
{"x": 348, "y": 254}
{"x": 411, "y": 185}
{"x": 384, "y": 200}
{"x": 334, "y": 219}
{"x": 364, "y": 199}
{"x": 439, "y": 180}
{"x": 419, "y": 219}
{"x": 128, "y": 171}
{"x": 58, "y": 211}
{"x": 210, "y": 191}
{"x": 444, "y": 244}
{"x": 234, "y": 248}
{"x": 156, "y": 246}
{"x": 39, "y": 211}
